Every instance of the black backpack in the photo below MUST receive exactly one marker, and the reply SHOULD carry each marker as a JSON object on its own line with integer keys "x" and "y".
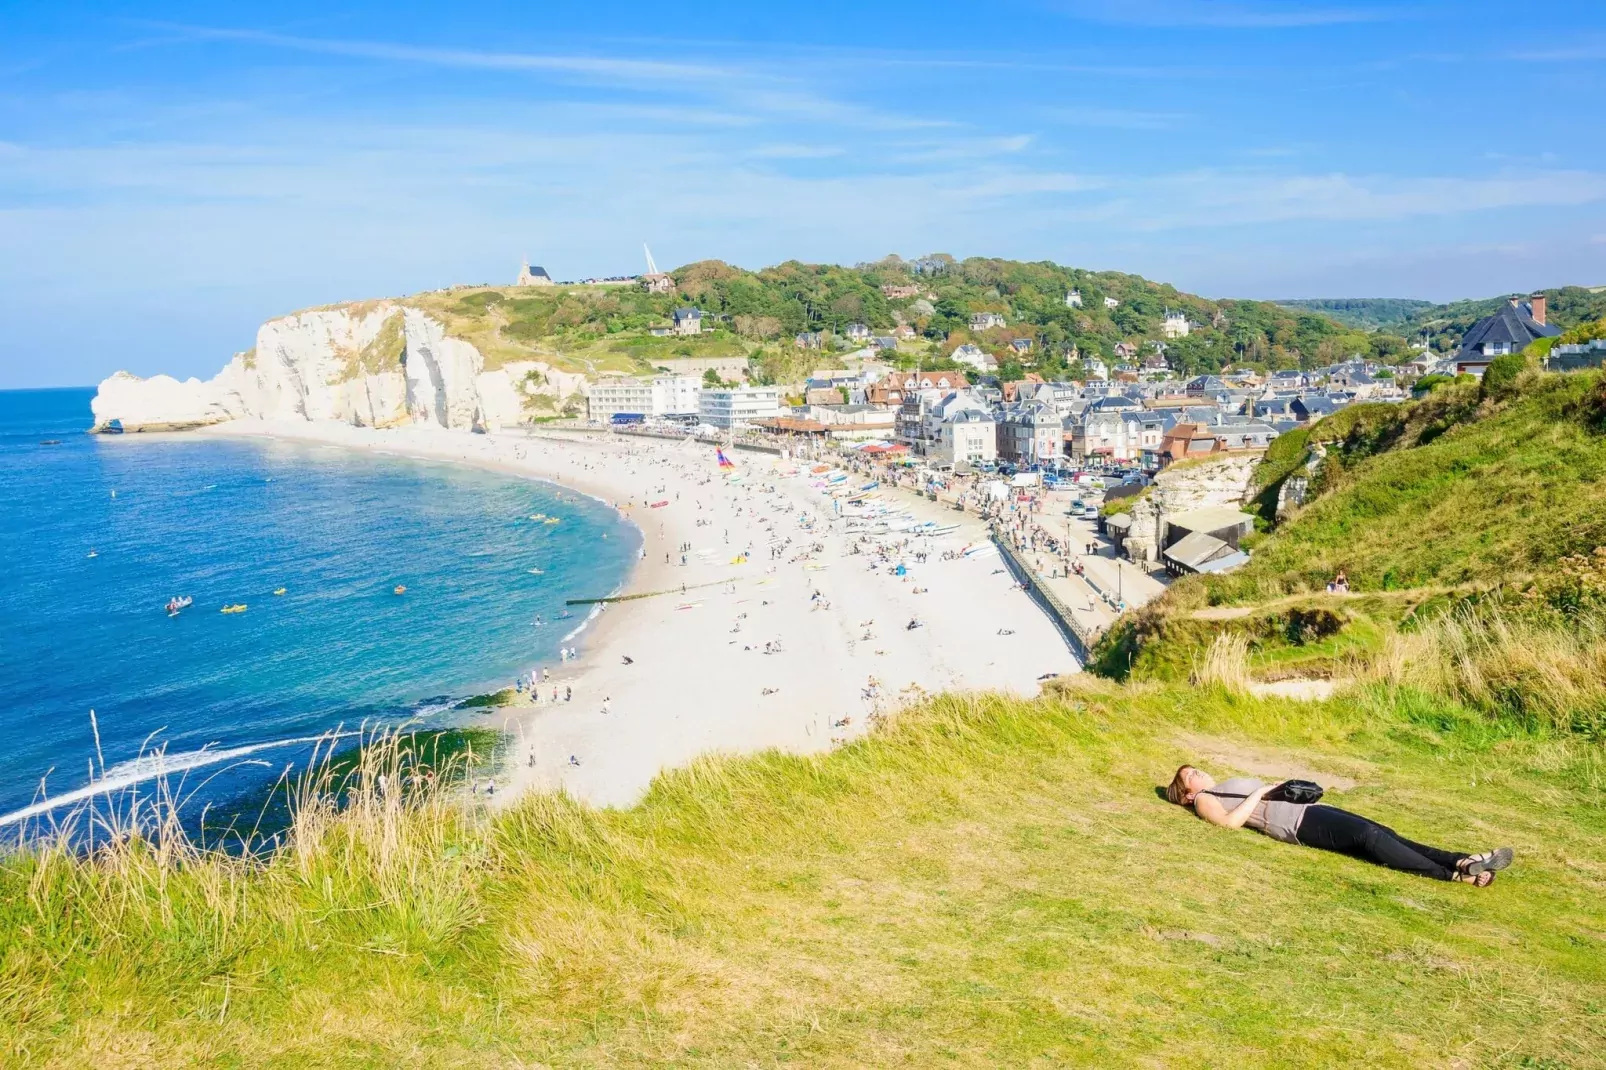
{"x": 1289, "y": 791}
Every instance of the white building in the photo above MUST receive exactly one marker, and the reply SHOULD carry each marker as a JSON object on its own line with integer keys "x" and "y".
{"x": 737, "y": 407}
{"x": 976, "y": 357}
{"x": 1110, "y": 302}
{"x": 1176, "y": 324}
{"x": 1116, "y": 435}
{"x": 663, "y": 395}
{"x": 676, "y": 395}
{"x": 1073, "y": 299}
{"x": 969, "y": 436}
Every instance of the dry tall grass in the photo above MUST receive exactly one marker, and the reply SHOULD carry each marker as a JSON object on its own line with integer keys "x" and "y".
{"x": 383, "y": 826}
{"x": 1225, "y": 664}
{"x": 1507, "y": 663}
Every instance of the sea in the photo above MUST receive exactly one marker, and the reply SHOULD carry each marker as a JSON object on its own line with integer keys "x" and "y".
{"x": 99, "y": 532}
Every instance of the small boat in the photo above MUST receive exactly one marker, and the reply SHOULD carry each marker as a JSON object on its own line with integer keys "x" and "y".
{"x": 552, "y": 520}
{"x": 279, "y": 590}
{"x": 176, "y": 604}
{"x": 537, "y": 516}
{"x": 50, "y": 442}
{"x": 399, "y": 589}
{"x": 93, "y": 553}
{"x": 536, "y": 571}
{"x": 237, "y": 607}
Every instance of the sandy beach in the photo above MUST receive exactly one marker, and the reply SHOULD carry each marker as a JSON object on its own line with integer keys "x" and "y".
{"x": 784, "y": 636}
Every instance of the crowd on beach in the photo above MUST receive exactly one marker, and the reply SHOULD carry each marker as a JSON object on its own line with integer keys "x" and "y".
{"x": 754, "y": 619}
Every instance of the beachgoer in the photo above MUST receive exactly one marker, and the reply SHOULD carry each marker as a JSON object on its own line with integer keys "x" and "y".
{"x": 1241, "y": 802}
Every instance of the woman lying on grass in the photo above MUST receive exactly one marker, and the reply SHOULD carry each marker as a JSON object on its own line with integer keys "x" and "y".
{"x": 1242, "y": 801}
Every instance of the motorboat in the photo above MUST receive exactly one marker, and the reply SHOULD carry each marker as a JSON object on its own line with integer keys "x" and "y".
{"x": 176, "y": 604}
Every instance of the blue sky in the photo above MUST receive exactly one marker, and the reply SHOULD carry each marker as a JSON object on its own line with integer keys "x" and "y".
{"x": 173, "y": 174}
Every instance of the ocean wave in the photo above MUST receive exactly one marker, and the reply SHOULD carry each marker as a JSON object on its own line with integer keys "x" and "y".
{"x": 151, "y": 766}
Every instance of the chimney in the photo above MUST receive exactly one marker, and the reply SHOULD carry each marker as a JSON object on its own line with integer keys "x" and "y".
{"x": 1537, "y": 301}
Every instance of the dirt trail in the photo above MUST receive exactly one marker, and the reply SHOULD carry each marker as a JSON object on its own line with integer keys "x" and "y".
{"x": 1222, "y": 757}
{"x": 1409, "y": 594}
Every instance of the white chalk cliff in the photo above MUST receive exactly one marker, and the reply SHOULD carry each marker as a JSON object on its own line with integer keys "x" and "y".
{"x": 377, "y": 364}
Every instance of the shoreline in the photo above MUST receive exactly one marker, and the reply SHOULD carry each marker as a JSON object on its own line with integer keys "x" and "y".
{"x": 780, "y": 637}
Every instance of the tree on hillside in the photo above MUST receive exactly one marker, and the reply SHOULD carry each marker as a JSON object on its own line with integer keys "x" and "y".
{"x": 757, "y": 326}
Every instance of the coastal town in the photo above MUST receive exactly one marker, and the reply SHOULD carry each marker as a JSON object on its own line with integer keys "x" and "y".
{"x": 1052, "y": 462}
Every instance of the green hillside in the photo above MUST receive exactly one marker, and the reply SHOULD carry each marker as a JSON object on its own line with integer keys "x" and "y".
{"x": 980, "y": 883}
{"x": 1392, "y": 314}
{"x": 1470, "y": 526}
{"x": 1448, "y": 490}
{"x": 757, "y": 314}
{"x": 1566, "y": 306}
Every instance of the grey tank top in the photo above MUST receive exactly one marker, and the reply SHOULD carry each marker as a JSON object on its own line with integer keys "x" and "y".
{"x": 1279, "y": 820}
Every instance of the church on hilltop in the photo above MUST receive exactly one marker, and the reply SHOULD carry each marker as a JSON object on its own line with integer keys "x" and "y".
{"x": 532, "y": 276}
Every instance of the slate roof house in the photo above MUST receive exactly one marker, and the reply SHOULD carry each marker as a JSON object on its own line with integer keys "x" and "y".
{"x": 688, "y": 321}
{"x": 1312, "y": 407}
{"x": 1509, "y": 330}
{"x": 1205, "y": 386}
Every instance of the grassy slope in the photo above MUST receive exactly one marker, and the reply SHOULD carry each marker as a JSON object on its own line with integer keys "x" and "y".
{"x": 1485, "y": 502}
{"x": 1423, "y": 507}
{"x": 984, "y": 883}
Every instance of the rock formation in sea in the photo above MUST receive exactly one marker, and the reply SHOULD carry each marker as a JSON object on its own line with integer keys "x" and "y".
{"x": 374, "y": 364}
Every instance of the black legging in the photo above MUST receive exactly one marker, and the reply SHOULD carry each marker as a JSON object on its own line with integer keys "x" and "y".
{"x": 1328, "y": 828}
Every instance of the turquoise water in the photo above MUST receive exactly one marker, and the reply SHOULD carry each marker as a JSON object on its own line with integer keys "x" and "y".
{"x": 229, "y": 522}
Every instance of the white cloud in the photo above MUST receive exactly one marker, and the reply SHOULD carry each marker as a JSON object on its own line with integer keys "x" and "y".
{"x": 1115, "y": 118}
{"x": 610, "y": 67}
{"x": 796, "y": 152}
{"x": 1223, "y": 13}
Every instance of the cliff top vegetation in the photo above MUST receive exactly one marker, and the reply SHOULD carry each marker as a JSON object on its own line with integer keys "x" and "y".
{"x": 756, "y": 314}
{"x": 984, "y": 882}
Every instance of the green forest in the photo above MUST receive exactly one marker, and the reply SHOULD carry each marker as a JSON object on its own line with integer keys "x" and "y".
{"x": 1566, "y": 307}
{"x": 935, "y": 297}
{"x": 759, "y": 313}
